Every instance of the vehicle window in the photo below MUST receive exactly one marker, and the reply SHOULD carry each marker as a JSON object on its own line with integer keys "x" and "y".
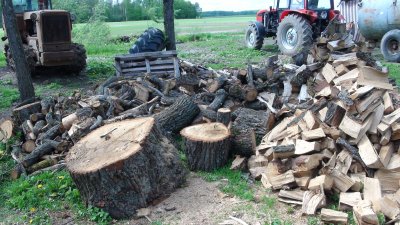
{"x": 297, "y": 4}
{"x": 21, "y": 6}
{"x": 283, "y": 4}
{"x": 319, "y": 4}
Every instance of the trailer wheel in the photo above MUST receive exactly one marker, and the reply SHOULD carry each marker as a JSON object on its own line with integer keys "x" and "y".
{"x": 152, "y": 40}
{"x": 294, "y": 35}
{"x": 254, "y": 39}
{"x": 390, "y": 46}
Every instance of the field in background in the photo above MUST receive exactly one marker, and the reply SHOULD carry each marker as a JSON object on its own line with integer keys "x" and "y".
{"x": 232, "y": 24}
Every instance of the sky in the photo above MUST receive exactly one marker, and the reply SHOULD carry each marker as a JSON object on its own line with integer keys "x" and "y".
{"x": 235, "y": 5}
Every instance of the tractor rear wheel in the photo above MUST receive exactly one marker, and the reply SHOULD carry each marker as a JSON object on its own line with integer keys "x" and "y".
{"x": 254, "y": 39}
{"x": 152, "y": 40}
{"x": 294, "y": 35}
{"x": 390, "y": 46}
{"x": 80, "y": 60}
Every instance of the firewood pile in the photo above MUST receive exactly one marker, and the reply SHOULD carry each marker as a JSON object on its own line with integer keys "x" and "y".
{"x": 329, "y": 124}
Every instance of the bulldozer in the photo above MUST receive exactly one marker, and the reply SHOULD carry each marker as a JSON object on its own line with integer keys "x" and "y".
{"x": 46, "y": 37}
{"x": 294, "y": 24}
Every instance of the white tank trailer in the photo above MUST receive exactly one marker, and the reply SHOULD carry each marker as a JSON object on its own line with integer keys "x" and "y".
{"x": 379, "y": 20}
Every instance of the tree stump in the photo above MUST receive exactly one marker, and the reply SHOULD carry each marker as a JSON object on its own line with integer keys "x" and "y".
{"x": 206, "y": 146}
{"x": 122, "y": 167}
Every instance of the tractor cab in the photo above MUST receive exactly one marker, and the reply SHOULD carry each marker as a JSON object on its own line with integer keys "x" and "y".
{"x": 306, "y": 18}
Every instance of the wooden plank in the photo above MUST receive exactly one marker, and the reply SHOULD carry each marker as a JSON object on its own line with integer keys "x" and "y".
{"x": 348, "y": 200}
{"x": 149, "y": 68}
{"x": 143, "y": 64}
{"x": 162, "y": 54}
{"x": 373, "y": 77}
{"x": 332, "y": 216}
{"x": 368, "y": 153}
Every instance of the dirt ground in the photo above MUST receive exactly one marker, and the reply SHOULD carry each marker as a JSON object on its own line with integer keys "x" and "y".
{"x": 202, "y": 203}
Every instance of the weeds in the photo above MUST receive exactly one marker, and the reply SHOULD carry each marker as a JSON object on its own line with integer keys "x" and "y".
{"x": 313, "y": 220}
{"x": 8, "y": 96}
{"x": 235, "y": 184}
{"x": 97, "y": 69}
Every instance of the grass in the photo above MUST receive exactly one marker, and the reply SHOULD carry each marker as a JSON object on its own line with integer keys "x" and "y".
{"x": 235, "y": 184}
{"x": 8, "y": 95}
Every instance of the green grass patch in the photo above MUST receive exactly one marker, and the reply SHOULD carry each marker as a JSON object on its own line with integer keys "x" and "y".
{"x": 235, "y": 185}
{"x": 394, "y": 71}
{"x": 8, "y": 96}
{"x": 99, "y": 68}
{"x": 36, "y": 196}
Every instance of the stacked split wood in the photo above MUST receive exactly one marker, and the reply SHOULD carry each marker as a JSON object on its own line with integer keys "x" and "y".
{"x": 339, "y": 132}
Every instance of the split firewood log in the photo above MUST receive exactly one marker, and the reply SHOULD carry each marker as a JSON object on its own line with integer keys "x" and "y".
{"x": 219, "y": 100}
{"x": 22, "y": 113}
{"x": 206, "y": 146}
{"x": 6, "y": 129}
{"x": 101, "y": 163}
{"x": 243, "y": 92}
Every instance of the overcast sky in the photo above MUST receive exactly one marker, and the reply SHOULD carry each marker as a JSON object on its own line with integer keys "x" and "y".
{"x": 234, "y": 5}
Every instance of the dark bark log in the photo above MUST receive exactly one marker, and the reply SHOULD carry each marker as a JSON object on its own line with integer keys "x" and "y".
{"x": 244, "y": 142}
{"x": 51, "y": 133}
{"x": 22, "y": 113}
{"x": 179, "y": 115}
{"x": 260, "y": 121}
{"x": 48, "y": 105}
{"x": 224, "y": 116}
{"x": 169, "y": 24}
{"x": 41, "y": 165}
{"x": 219, "y": 100}
{"x": 135, "y": 112}
{"x": 39, "y": 125}
{"x": 209, "y": 114}
{"x": 335, "y": 115}
{"x": 97, "y": 124}
{"x": 206, "y": 146}
{"x": 36, "y": 117}
{"x": 243, "y": 92}
{"x": 46, "y": 148}
{"x": 81, "y": 129}
{"x": 250, "y": 76}
{"x": 23, "y": 73}
{"x": 256, "y": 105}
{"x": 133, "y": 167}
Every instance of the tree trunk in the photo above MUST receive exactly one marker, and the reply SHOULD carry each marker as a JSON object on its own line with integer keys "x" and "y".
{"x": 23, "y": 73}
{"x": 124, "y": 166}
{"x": 169, "y": 25}
{"x": 206, "y": 146}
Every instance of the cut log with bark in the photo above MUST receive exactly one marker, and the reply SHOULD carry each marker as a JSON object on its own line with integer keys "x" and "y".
{"x": 206, "y": 146}
{"x": 23, "y": 113}
{"x": 239, "y": 163}
{"x": 244, "y": 142}
{"x": 217, "y": 84}
{"x": 224, "y": 116}
{"x": 46, "y": 148}
{"x": 131, "y": 150}
{"x": 219, "y": 100}
{"x": 179, "y": 115}
{"x": 6, "y": 129}
{"x": 243, "y": 92}
{"x": 260, "y": 121}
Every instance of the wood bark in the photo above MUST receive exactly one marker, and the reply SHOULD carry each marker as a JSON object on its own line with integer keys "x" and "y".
{"x": 224, "y": 116}
{"x": 206, "y": 146}
{"x": 179, "y": 115}
{"x": 23, "y": 113}
{"x": 219, "y": 100}
{"x": 23, "y": 73}
{"x": 169, "y": 24}
{"x": 124, "y": 166}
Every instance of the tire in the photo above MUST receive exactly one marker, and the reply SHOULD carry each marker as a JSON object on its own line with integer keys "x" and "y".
{"x": 152, "y": 40}
{"x": 30, "y": 57}
{"x": 254, "y": 39}
{"x": 390, "y": 46}
{"x": 80, "y": 61}
{"x": 294, "y": 35}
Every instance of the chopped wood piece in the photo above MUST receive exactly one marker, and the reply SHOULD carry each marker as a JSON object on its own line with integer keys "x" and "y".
{"x": 305, "y": 164}
{"x": 29, "y": 146}
{"x": 312, "y": 201}
{"x": 341, "y": 69}
{"x": 303, "y": 182}
{"x": 348, "y": 77}
{"x": 389, "y": 179}
{"x": 333, "y": 216}
{"x": 360, "y": 92}
{"x": 390, "y": 208}
{"x": 244, "y": 142}
{"x": 343, "y": 161}
{"x": 305, "y": 147}
{"x": 373, "y": 77}
{"x": 341, "y": 181}
{"x": 240, "y": 163}
{"x": 372, "y": 191}
{"x": 364, "y": 214}
{"x": 355, "y": 129}
{"x": 243, "y": 92}
{"x": 283, "y": 151}
{"x": 365, "y": 103}
{"x": 6, "y": 130}
{"x": 257, "y": 172}
{"x": 283, "y": 180}
{"x": 219, "y": 100}
{"x": 312, "y": 135}
{"x": 346, "y": 60}
{"x": 387, "y": 101}
{"x": 206, "y": 146}
{"x": 216, "y": 84}
{"x": 260, "y": 121}
{"x": 395, "y": 132}
{"x": 383, "y": 128}
{"x": 135, "y": 149}
{"x": 329, "y": 73}
{"x": 385, "y": 139}
{"x": 296, "y": 195}
{"x": 378, "y": 115}
{"x": 334, "y": 115}
{"x": 325, "y": 181}
{"x": 22, "y": 113}
{"x": 257, "y": 161}
{"x": 368, "y": 153}
{"x": 358, "y": 178}
{"x": 349, "y": 200}
{"x": 310, "y": 120}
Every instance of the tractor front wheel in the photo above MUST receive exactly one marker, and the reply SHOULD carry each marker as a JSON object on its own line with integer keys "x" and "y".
{"x": 254, "y": 39}
{"x": 294, "y": 35}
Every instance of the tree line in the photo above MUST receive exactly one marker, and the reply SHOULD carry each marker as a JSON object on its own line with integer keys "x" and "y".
{"x": 127, "y": 10}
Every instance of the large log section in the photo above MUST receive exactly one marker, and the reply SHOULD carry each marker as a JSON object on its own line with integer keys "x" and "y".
{"x": 206, "y": 146}
{"x": 123, "y": 166}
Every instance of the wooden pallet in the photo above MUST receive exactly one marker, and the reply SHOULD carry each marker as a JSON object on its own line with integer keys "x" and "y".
{"x": 149, "y": 62}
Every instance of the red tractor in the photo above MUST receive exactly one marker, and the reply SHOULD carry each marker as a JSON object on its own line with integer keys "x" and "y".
{"x": 295, "y": 24}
